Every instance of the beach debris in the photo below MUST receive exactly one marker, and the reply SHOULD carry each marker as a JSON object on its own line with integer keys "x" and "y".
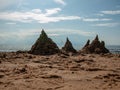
{"x": 95, "y": 47}
{"x": 44, "y": 45}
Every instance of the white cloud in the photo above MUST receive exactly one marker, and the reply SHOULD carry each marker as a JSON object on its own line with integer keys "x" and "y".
{"x": 114, "y": 12}
{"x": 95, "y": 19}
{"x": 36, "y": 15}
{"x": 52, "y": 11}
{"x": 22, "y": 34}
{"x": 107, "y": 24}
{"x": 60, "y": 2}
{"x": 10, "y": 23}
{"x": 37, "y": 10}
{"x": 63, "y": 31}
{"x": 53, "y": 35}
{"x": 71, "y": 32}
{"x": 100, "y": 14}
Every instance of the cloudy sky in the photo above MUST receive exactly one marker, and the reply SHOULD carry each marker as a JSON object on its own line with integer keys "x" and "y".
{"x": 21, "y": 21}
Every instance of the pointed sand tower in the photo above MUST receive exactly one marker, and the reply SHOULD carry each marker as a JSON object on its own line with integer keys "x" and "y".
{"x": 44, "y": 45}
{"x": 95, "y": 47}
{"x": 68, "y": 47}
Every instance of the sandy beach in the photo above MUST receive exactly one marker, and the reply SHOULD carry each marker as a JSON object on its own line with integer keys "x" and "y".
{"x": 60, "y": 45}
{"x": 23, "y": 71}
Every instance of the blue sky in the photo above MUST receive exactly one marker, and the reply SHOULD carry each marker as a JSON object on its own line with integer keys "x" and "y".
{"x": 21, "y": 21}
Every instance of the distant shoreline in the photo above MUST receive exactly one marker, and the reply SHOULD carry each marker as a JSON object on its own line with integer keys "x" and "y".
{"x": 111, "y": 51}
{"x": 114, "y": 49}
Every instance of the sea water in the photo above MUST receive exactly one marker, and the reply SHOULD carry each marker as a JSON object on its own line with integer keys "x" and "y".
{"x": 115, "y": 49}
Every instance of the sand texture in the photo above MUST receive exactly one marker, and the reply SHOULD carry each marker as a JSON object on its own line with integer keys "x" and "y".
{"x": 22, "y": 71}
